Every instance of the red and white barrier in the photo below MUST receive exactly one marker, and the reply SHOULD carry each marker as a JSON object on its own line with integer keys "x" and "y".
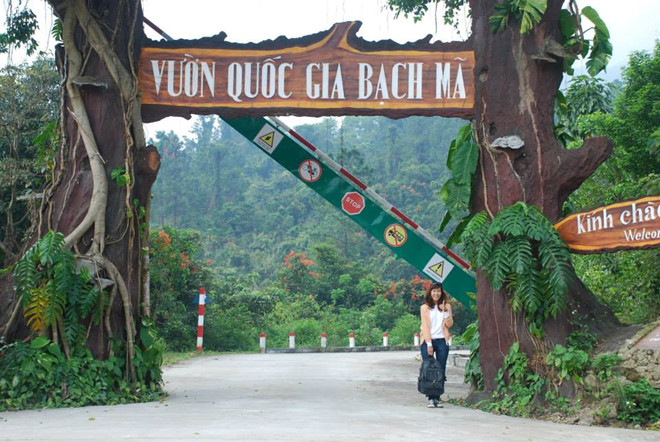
{"x": 262, "y": 343}
{"x": 200, "y": 319}
{"x": 351, "y": 339}
{"x": 416, "y": 340}
{"x": 292, "y": 340}
{"x": 324, "y": 340}
{"x": 386, "y": 339}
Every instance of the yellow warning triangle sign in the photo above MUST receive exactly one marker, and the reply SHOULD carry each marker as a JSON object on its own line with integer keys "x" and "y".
{"x": 268, "y": 138}
{"x": 438, "y": 268}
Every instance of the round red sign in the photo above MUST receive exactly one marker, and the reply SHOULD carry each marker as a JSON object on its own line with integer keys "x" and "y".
{"x": 352, "y": 203}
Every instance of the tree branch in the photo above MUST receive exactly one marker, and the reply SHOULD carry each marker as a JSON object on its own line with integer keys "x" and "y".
{"x": 581, "y": 162}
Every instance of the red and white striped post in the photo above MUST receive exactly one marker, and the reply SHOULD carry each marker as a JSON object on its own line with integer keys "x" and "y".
{"x": 386, "y": 339}
{"x": 324, "y": 340}
{"x": 200, "y": 319}
{"x": 262, "y": 343}
{"x": 292, "y": 340}
{"x": 351, "y": 339}
{"x": 416, "y": 339}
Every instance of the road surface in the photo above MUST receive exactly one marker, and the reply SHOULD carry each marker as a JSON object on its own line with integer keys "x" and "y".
{"x": 295, "y": 397}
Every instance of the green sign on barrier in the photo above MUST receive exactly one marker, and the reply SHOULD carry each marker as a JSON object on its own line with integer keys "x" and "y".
{"x": 405, "y": 238}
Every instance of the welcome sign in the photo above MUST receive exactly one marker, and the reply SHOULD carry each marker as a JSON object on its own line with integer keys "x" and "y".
{"x": 330, "y": 73}
{"x": 621, "y": 226}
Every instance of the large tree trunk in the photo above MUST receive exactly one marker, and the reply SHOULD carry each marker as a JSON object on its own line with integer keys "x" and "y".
{"x": 104, "y": 223}
{"x": 517, "y": 82}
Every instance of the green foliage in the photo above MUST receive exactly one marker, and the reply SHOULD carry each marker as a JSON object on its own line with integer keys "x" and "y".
{"x": 29, "y": 99}
{"x": 177, "y": 273}
{"x": 473, "y": 374}
{"x": 597, "y": 51}
{"x": 56, "y": 293}
{"x": 418, "y": 8}
{"x": 231, "y": 329}
{"x": 529, "y": 258}
{"x": 568, "y": 362}
{"x": 21, "y": 24}
{"x": 528, "y": 12}
{"x": 456, "y": 193}
{"x": 120, "y": 176}
{"x": 601, "y": 47}
{"x": 404, "y": 330}
{"x": 51, "y": 289}
{"x": 39, "y": 375}
{"x": 581, "y": 337}
{"x": 516, "y": 385}
{"x": 630, "y": 173}
{"x": 640, "y": 403}
{"x": 265, "y": 212}
{"x": 585, "y": 95}
{"x": 604, "y": 366}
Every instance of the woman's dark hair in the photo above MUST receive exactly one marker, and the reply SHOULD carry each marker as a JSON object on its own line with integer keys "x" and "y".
{"x": 428, "y": 300}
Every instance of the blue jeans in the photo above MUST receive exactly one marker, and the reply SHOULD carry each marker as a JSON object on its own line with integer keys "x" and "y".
{"x": 441, "y": 352}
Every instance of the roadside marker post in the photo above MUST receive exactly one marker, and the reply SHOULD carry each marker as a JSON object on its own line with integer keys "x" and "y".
{"x": 262, "y": 343}
{"x": 200, "y": 319}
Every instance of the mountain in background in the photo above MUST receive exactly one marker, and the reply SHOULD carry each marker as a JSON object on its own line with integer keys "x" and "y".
{"x": 252, "y": 212}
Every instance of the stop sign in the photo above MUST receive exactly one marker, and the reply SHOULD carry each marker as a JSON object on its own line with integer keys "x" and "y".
{"x": 352, "y": 203}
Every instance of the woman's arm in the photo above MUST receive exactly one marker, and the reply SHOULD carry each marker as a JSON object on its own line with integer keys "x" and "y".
{"x": 449, "y": 322}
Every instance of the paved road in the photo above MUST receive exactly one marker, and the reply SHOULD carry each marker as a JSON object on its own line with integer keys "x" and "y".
{"x": 316, "y": 397}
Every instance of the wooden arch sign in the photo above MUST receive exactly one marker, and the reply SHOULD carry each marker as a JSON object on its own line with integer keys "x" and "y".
{"x": 329, "y": 73}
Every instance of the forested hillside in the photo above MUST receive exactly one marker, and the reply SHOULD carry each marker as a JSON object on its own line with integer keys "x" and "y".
{"x": 252, "y": 213}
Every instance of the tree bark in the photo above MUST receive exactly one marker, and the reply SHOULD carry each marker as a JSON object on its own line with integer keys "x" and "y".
{"x": 103, "y": 222}
{"x": 517, "y": 83}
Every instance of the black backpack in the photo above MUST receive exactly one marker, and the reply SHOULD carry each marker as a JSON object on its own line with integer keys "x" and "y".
{"x": 431, "y": 381}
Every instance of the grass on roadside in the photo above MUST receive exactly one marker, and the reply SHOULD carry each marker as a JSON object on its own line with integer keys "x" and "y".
{"x": 174, "y": 357}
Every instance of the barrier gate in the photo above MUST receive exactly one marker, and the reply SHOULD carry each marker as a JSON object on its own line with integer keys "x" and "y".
{"x": 369, "y": 210}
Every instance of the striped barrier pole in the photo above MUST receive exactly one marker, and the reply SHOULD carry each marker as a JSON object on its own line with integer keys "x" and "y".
{"x": 386, "y": 339}
{"x": 324, "y": 340}
{"x": 292, "y": 340}
{"x": 262, "y": 343}
{"x": 200, "y": 319}
{"x": 416, "y": 339}
{"x": 351, "y": 339}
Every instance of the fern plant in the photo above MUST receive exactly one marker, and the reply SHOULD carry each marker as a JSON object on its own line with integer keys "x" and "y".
{"x": 521, "y": 251}
{"x": 52, "y": 290}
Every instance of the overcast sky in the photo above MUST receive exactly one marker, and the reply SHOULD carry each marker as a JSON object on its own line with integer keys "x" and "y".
{"x": 633, "y": 24}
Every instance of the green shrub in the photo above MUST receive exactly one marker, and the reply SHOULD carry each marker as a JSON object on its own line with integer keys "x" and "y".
{"x": 404, "y": 330}
{"x": 38, "y": 375}
{"x": 229, "y": 330}
{"x": 604, "y": 366}
{"x": 473, "y": 373}
{"x": 569, "y": 362}
{"x": 640, "y": 403}
{"x": 516, "y": 384}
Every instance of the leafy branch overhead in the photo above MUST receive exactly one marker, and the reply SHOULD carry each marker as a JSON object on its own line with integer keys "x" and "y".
{"x": 521, "y": 251}
{"x": 21, "y": 25}
{"x": 528, "y": 13}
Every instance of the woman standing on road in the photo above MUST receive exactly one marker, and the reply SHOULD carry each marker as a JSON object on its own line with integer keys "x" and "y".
{"x": 437, "y": 317}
